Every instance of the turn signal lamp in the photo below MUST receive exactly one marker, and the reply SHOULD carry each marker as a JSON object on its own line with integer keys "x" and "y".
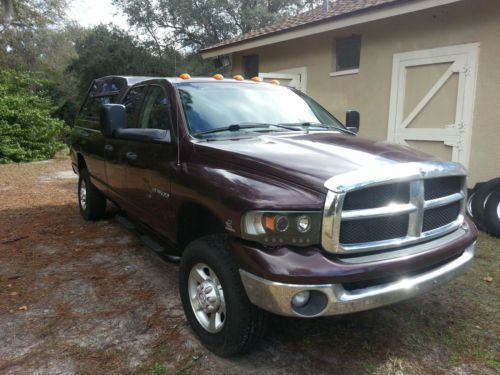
{"x": 275, "y": 82}
{"x": 257, "y": 79}
{"x": 218, "y": 77}
{"x": 238, "y": 78}
{"x": 184, "y": 76}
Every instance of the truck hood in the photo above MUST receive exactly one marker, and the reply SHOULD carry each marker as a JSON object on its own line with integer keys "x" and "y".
{"x": 308, "y": 159}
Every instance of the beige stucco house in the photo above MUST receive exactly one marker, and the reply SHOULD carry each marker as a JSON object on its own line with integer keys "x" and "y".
{"x": 425, "y": 73}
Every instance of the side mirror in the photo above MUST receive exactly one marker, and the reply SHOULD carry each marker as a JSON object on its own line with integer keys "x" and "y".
{"x": 352, "y": 121}
{"x": 113, "y": 117}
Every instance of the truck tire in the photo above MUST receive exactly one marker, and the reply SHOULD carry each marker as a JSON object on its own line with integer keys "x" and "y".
{"x": 479, "y": 199}
{"x": 491, "y": 216}
{"x": 91, "y": 201}
{"x": 214, "y": 299}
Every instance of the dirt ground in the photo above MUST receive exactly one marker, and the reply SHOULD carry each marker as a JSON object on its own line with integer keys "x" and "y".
{"x": 89, "y": 298}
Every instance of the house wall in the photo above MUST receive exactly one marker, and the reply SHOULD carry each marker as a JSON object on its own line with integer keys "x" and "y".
{"x": 369, "y": 90}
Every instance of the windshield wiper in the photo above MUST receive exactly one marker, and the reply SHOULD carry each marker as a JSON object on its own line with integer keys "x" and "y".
{"x": 241, "y": 126}
{"x": 306, "y": 125}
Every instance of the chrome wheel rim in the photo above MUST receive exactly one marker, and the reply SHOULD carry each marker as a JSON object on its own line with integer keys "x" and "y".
{"x": 498, "y": 211}
{"x": 83, "y": 195}
{"x": 469, "y": 204}
{"x": 207, "y": 298}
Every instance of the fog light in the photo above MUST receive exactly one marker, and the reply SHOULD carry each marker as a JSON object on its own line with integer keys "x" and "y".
{"x": 301, "y": 298}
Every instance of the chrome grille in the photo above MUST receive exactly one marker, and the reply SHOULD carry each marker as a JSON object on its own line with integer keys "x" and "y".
{"x": 393, "y": 206}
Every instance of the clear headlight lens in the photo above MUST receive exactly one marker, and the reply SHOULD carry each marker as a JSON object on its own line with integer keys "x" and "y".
{"x": 282, "y": 228}
{"x": 303, "y": 223}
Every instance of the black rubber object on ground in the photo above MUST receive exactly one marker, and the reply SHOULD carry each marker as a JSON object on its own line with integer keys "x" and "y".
{"x": 95, "y": 207}
{"x": 491, "y": 215}
{"x": 244, "y": 323}
{"x": 478, "y": 201}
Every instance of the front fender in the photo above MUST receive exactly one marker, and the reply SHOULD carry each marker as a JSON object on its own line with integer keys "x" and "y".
{"x": 229, "y": 191}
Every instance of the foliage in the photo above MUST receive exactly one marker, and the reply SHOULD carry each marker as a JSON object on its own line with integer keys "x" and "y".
{"x": 199, "y": 23}
{"x": 34, "y": 37}
{"x": 31, "y": 13}
{"x": 27, "y": 129}
{"x": 24, "y": 24}
{"x": 110, "y": 51}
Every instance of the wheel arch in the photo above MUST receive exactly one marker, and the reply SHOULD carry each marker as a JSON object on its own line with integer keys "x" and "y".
{"x": 195, "y": 220}
{"x": 80, "y": 162}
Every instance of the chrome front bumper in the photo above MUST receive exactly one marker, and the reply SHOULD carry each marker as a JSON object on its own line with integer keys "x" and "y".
{"x": 335, "y": 300}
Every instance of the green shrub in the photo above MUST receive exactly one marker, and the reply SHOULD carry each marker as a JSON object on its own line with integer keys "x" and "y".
{"x": 27, "y": 129}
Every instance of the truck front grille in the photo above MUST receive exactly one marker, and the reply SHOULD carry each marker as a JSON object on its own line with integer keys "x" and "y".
{"x": 440, "y": 216}
{"x": 389, "y": 210}
{"x": 370, "y": 230}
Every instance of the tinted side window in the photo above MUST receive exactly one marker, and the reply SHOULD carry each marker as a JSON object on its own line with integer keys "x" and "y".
{"x": 93, "y": 105}
{"x": 133, "y": 103}
{"x": 156, "y": 114}
{"x": 104, "y": 91}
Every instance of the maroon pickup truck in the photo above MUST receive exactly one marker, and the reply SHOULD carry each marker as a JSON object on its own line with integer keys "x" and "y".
{"x": 271, "y": 203}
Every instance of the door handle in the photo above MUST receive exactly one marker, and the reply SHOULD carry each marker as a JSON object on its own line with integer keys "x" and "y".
{"x": 131, "y": 156}
{"x": 108, "y": 148}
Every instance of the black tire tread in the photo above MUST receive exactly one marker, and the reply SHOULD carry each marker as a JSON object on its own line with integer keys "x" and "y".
{"x": 96, "y": 201}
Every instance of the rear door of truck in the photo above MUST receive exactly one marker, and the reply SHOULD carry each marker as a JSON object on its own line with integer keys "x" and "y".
{"x": 87, "y": 138}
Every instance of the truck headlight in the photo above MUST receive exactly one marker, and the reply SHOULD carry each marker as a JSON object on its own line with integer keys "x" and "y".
{"x": 275, "y": 228}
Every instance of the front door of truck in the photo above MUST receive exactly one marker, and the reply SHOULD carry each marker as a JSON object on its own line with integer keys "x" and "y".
{"x": 115, "y": 149}
{"x": 149, "y": 164}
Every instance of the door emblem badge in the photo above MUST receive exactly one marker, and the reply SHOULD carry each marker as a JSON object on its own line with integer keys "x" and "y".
{"x": 160, "y": 192}
{"x": 229, "y": 225}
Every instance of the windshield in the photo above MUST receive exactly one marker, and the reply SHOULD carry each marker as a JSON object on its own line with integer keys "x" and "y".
{"x": 224, "y": 106}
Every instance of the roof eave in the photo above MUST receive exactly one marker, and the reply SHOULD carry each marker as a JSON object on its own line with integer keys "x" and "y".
{"x": 320, "y": 26}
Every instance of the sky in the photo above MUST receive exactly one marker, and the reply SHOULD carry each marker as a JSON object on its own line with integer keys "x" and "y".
{"x": 90, "y": 13}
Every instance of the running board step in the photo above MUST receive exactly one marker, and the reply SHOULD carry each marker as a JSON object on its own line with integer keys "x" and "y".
{"x": 150, "y": 242}
{"x": 125, "y": 222}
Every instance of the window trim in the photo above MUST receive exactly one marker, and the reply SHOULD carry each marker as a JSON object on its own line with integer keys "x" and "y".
{"x": 346, "y": 72}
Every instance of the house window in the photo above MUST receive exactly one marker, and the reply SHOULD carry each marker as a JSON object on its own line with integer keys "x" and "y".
{"x": 251, "y": 66}
{"x": 347, "y": 52}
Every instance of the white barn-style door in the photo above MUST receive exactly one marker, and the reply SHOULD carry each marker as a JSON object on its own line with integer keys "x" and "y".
{"x": 432, "y": 100}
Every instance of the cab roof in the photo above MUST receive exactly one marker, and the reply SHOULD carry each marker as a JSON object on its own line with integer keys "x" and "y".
{"x": 133, "y": 80}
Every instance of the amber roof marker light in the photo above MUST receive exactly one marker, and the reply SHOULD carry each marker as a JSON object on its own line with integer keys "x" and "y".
{"x": 256, "y": 79}
{"x": 238, "y": 77}
{"x": 275, "y": 82}
{"x": 184, "y": 76}
{"x": 218, "y": 77}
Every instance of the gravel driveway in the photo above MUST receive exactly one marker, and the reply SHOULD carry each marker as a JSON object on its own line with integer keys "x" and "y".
{"x": 89, "y": 298}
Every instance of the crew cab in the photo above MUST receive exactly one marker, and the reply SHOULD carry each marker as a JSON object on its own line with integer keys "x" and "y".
{"x": 271, "y": 203}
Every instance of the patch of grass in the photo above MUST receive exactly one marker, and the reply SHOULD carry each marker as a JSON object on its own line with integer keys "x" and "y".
{"x": 157, "y": 369}
{"x": 493, "y": 363}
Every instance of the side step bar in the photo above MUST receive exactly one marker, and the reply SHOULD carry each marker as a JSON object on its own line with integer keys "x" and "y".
{"x": 147, "y": 240}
